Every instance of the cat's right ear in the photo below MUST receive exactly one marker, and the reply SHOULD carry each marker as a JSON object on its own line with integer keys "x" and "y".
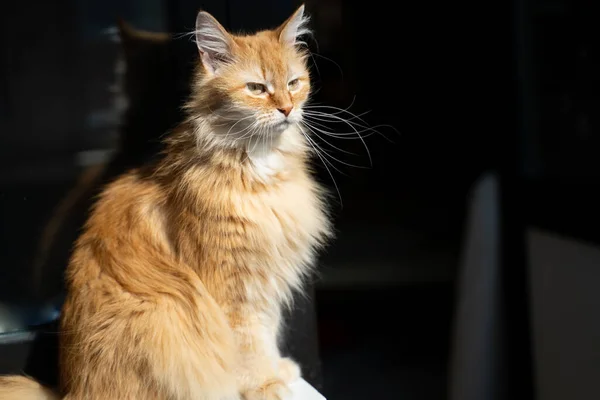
{"x": 213, "y": 41}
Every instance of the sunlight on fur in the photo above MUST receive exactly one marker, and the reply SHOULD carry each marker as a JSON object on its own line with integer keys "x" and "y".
{"x": 177, "y": 284}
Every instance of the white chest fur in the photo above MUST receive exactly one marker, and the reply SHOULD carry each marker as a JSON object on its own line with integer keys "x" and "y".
{"x": 289, "y": 222}
{"x": 265, "y": 161}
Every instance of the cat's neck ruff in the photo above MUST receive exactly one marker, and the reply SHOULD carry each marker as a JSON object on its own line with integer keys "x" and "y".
{"x": 264, "y": 156}
{"x": 267, "y": 154}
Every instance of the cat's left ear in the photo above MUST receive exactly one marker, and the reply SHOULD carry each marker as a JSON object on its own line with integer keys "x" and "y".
{"x": 214, "y": 43}
{"x": 294, "y": 28}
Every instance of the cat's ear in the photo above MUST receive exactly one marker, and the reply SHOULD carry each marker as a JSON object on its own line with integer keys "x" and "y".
{"x": 213, "y": 41}
{"x": 294, "y": 28}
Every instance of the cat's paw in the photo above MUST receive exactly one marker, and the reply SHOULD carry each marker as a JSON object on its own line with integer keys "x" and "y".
{"x": 289, "y": 371}
{"x": 275, "y": 389}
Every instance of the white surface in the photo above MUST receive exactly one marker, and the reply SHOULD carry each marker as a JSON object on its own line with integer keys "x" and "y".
{"x": 303, "y": 391}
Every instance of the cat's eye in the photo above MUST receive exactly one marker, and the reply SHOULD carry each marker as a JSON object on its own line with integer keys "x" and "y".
{"x": 256, "y": 88}
{"x": 293, "y": 84}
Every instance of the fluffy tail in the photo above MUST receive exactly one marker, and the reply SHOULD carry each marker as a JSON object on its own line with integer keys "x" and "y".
{"x": 23, "y": 388}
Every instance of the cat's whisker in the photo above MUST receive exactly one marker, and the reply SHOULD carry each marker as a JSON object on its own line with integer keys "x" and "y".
{"x": 247, "y": 131}
{"x": 226, "y": 120}
{"x": 243, "y": 119}
{"x": 324, "y": 161}
{"x": 245, "y": 136}
{"x": 312, "y": 113}
{"x": 255, "y": 132}
{"x": 182, "y": 35}
{"x": 329, "y": 118}
{"x": 359, "y": 136}
{"x": 330, "y": 60}
{"x": 318, "y": 105}
{"x": 314, "y": 121}
{"x": 336, "y": 116}
{"x": 342, "y": 135}
{"x": 315, "y": 130}
{"x": 338, "y": 110}
{"x": 315, "y": 64}
{"x": 270, "y": 141}
{"x": 252, "y": 132}
{"x": 326, "y": 153}
{"x": 315, "y": 112}
{"x": 336, "y": 119}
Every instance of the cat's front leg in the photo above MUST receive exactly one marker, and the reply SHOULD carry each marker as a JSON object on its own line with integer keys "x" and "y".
{"x": 262, "y": 373}
{"x": 289, "y": 370}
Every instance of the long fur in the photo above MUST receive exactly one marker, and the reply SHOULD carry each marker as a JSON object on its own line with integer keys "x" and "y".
{"x": 177, "y": 284}
{"x": 23, "y": 388}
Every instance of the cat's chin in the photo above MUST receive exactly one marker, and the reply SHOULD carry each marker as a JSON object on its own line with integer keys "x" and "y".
{"x": 267, "y": 137}
{"x": 283, "y": 126}
{"x": 275, "y": 130}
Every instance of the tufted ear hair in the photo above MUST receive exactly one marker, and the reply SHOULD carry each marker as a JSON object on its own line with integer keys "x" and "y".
{"x": 294, "y": 28}
{"x": 214, "y": 43}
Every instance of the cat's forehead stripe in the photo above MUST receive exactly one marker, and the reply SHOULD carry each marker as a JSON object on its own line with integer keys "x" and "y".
{"x": 267, "y": 62}
{"x": 272, "y": 60}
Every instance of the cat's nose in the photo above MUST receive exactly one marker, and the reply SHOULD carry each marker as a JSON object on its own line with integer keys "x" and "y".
{"x": 285, "y": 110}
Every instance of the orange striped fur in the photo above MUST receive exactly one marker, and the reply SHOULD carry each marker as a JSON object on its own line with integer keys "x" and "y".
{"x": 177, "y": 284}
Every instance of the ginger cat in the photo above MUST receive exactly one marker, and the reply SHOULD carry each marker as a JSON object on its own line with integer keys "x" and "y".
{"x": 176, "y": 285}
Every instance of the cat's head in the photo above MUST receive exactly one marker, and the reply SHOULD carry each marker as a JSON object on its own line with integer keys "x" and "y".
{"x": 250, "y": 86}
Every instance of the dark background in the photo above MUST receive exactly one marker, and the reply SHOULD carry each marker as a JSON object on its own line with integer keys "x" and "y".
{"x": 507, "y": 90}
